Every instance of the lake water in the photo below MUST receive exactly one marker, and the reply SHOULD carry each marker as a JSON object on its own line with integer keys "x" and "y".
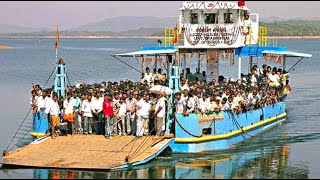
{"x": 290, "y": 150}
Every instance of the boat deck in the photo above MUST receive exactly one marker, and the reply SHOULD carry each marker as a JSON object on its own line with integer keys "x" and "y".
{"x": 88, "y": 152}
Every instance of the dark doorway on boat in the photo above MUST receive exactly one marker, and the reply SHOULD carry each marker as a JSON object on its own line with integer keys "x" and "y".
{"x": 206, "y": 131}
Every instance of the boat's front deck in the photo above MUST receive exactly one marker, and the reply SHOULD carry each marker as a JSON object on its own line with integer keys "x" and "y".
{"x": 87, "y": 152}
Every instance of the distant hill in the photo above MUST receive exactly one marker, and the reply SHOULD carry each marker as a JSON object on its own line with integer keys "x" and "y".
{"x": 7, "y": 28}
{"x": 126, "y": 23}
{"x": 153, "y": 26}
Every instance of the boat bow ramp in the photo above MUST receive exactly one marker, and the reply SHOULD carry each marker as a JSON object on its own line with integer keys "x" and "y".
{"x": 88, "y": 152}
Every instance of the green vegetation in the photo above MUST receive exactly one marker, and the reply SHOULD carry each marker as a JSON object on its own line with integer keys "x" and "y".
{"x": 293, "y": 28}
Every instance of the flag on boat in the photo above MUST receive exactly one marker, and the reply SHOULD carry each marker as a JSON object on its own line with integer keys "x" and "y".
{"x": 57, "y": 38}
{"x": 175, "y": 31}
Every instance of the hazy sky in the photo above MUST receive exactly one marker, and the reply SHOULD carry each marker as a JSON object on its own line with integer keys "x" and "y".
{"x": 75, "y": 13}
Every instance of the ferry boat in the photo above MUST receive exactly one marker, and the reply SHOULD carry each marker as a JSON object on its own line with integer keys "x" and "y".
{"x": 218, "y": 31}
{"x": 214, "y": 31}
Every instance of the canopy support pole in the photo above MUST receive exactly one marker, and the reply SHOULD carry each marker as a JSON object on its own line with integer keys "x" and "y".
{"x": 184, "y": 65}
{"x": 250, "y": 63}
{"x": 142, "y": 62}
{"x": 284, "y": 62}
{"x": 199, "y": 61}
{"x": 156, "y": 62}
{"x": 126, "y": 64}
{"x": 295, "y": 64}
{"x": 239, "y": 67}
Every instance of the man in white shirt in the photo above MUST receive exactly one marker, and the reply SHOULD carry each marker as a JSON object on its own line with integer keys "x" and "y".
{"x": 160, "y": 113}
{"x": 246, "y": 28}
{"x": 69, "y": 109}
{"x": 116, "y": 106}
{"x": 204, "y": 103}
{"x": 33, "y": 101}
{"x": 180, "y": 103}
{"x": 54, "y": 110}
{"x": 97, "y": 113}
{"x": 130, "y": 115}
{"x": 224, "y": 105}
{"x": 148, "y": 76}
{"x": 143, "y": 107}
{"x": 86, "y": 108}
{"x": 77, "y": 117}
{"x": 274, "y": 79}
{"x": 190, "y": 103}
{"x": 121, "y": 115}
{"x": 41, "y": 102}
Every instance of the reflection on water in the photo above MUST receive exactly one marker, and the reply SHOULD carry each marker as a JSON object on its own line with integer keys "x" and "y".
{"x": 267, "y": 163}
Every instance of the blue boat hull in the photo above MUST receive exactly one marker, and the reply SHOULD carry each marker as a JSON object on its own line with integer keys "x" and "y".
{"x": 225, "y": 129}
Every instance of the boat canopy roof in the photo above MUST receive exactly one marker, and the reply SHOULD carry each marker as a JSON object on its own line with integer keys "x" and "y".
{"x": 286, "y": 53}
{"x": 149, "y": 51}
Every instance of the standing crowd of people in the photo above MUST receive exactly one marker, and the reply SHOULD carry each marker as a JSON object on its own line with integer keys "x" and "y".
{"x": 130, "y": 108}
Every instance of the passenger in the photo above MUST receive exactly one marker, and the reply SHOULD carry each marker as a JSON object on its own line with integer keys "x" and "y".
{"x": 197, "y": 75}
{"x": 224, "y": 105}
{"x": 274, "y": 79}
{"x": 146, "y": 114}
{"x": 158, "y": 76}
{"x": 143, "y": 108}
{"x": 116, "y": 106}
{"x": 69, "y": 110}
{"x": 130, "y": 115}
{"x": 179, "y": 103}
{"x": 143, "y": 79}
{"x": 33, "y": 101}
{"x": 83, "y": 97}
{"x": 204, "y": 76}
{"x": 217, "y": 106}
{"x": 189, "y": 75}
{"x": 86, "y": 108}
{"x": 160, "y": 114}
{"x": 108, "y": 116}
{"x": 77, "y": 117}
{"x": 121, "y": 114}
{"x": 148, "y": 76}
{"x": 54, "y": 110}
{"x": 97, "y": 113}
{"x": 190, "y": 103}
{"x": 185, "y": 85}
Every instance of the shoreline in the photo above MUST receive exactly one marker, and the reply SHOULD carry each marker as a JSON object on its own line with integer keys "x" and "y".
{"x": 293, "y": 37}
{"x": 142, "y": 37}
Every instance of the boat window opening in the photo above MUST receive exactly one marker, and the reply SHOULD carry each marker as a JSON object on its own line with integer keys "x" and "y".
{"x": 242, "y": 13}
{"x": 194, "y": 18}
{"x": 227, "y": 17}
{"x": 206, "y": 131}
{"x": 261, "y": 117}
{"x": 210, "y": 18}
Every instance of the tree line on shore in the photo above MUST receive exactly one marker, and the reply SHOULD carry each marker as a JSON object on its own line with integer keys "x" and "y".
{"x": 276, "y": 28}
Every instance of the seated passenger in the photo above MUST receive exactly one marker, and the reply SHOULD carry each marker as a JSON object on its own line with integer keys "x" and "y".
{"x": 198, "y": 75}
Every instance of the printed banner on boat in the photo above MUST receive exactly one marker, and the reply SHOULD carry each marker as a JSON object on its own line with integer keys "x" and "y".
{"x": 210, "y": 117}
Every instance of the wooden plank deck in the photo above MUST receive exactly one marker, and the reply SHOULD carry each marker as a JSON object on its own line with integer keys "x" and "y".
{"x": 87, "y": 152}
